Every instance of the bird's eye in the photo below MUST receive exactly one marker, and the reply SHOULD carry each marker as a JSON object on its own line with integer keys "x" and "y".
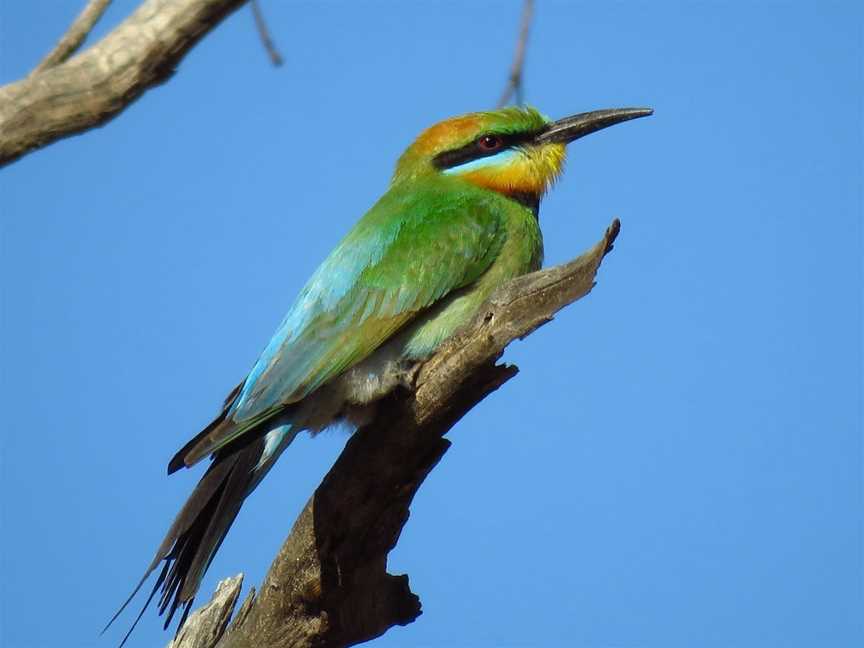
{"x": 490, "y": 143}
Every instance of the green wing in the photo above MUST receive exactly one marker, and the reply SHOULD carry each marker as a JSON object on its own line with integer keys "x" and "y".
{"x": 410, "y": 250}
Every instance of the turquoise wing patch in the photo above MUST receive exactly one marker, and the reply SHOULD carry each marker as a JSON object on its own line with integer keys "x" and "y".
{"x": 406, "y": 253}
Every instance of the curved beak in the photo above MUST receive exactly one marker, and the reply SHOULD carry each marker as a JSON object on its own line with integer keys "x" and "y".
{"x": 568, "y": 129}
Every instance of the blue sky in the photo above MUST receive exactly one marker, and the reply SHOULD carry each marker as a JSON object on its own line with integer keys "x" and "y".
{"x": 679, "y": 462}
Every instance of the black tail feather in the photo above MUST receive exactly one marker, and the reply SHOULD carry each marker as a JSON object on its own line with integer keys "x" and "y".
{"x": 186, "y": 609}
{"x": 237, "y": 485}
{"x": 198, "y": 531}
{"x": 178, "y": 460}
{"x": 127, "y": 602}
{"x": 143, "y": 608}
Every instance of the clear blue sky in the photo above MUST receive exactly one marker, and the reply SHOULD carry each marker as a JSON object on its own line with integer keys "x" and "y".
{"x": 679, "y": 462}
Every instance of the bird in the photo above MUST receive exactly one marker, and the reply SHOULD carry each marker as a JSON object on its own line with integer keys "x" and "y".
{"x": 460, "y": 217}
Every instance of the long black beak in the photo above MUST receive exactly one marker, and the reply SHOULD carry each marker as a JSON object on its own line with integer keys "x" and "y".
{"x": 571, "y": 128}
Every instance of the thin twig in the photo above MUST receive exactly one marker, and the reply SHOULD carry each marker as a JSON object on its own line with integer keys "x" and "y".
{"x": 264, "y": 34}
{"x": 514, "y": 82}
{"x": 74, "y": 36}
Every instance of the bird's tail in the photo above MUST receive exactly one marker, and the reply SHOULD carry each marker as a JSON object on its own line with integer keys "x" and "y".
{"x": 202, "y": 523}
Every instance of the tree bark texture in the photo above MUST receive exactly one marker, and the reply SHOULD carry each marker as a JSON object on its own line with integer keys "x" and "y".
{"x": 90, "y": 88}
{"x": 328, "y": 585}
{"x": 206, "y": 625}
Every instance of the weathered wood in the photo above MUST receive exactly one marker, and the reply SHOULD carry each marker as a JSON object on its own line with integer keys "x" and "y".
{"x": 92, "y": 87}
{"x": 206, "y": 625}
{"x": 328, "y": 585}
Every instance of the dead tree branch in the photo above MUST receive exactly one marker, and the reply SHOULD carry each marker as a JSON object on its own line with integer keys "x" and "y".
{"x": 514, "y": 80}
{"x": 90, "y": 88}
{"x": 206, "y": 625}
{"x": 328, "y": 585}
{"x": 74, "y": 36}
{"x": 264, "y": 34}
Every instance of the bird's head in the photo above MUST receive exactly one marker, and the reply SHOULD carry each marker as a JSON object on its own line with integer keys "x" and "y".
{"x": 514, "y": 151}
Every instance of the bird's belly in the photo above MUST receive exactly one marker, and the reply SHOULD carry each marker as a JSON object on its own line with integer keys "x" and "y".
{"x": 521, "y": 253}
{"x": 388, "y": 366}
{"x": 442, "y": 321}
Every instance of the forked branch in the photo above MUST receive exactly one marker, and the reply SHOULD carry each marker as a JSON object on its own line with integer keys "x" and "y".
{"x": 95, "y": 85}
{"x": 74, "y": 36}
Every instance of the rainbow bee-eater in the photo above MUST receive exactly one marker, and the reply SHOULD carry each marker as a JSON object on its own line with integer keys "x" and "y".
{"x": 459, "y": 218}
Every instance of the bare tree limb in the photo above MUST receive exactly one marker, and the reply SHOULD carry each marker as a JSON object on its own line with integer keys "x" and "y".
{"x": 92, "y": 87}
{"x": 74, "y": 36}
{"x": 514, "y": 81}
{"x": 328, "y": 586}
{"x": 243, "y": 612}
{"x": 264, "y": 34}
{"x": 206, "y": 625}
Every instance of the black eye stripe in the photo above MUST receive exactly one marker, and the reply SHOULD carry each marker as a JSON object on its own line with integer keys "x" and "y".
{"x": 472, "y": 151}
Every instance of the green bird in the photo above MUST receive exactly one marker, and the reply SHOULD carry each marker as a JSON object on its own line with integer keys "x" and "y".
{"x": 459, "y": 219}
